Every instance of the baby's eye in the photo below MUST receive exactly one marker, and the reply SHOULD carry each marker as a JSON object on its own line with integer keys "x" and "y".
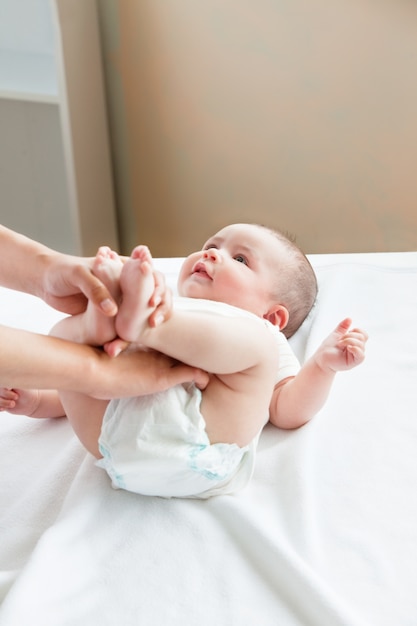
{"x": 241, "y": 259}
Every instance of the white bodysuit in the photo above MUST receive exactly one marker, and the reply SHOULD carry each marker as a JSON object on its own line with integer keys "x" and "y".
{"x": 157, "y": 444}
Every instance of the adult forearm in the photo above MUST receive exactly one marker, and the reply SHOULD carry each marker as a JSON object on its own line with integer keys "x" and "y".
{"x": 23, "y": 261}
{"x": 28, "y": 360}
{"x": 32, "y": 360}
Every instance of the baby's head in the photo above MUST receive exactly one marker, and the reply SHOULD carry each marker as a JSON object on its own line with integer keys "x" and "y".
{"x": 255, "y": 268}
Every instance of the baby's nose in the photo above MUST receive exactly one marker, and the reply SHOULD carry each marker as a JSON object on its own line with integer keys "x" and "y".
{"x": 212, "y": 254}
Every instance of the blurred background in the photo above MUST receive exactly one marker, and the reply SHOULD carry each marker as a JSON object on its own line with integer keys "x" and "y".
{"x": 299, "y": 114}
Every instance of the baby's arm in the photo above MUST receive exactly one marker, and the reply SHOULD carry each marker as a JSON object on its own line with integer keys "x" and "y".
{"x": 31, "y": 402}
{"x": 296, "y": 400}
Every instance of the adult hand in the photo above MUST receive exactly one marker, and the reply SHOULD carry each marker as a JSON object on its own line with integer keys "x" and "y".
{"x": 136, "y": 373}
{"x": 64, "y": 281}
{"x": 68, "y": 283}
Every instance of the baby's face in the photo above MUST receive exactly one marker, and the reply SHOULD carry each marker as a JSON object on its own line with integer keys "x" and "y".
{"x": 236, "y": 266}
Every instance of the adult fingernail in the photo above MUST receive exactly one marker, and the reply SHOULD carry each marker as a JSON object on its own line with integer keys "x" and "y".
{"x": 107, "y": 305}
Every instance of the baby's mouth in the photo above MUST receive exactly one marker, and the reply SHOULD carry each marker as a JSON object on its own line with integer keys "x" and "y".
{"x": 200, "y": 269}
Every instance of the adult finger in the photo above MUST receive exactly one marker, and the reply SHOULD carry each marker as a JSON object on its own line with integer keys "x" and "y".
{"x": 95, "y": 291}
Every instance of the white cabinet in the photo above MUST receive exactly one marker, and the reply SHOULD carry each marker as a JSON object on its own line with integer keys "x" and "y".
{"x": 55, "y": 169}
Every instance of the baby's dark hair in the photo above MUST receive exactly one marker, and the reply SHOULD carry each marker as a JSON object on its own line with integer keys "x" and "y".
{"x": 296, "y": 287}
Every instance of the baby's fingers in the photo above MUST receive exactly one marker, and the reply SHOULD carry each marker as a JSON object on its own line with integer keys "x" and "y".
{"x": 359, "y": 334}
{"x": 8, "y": 398}
{"x": 355, "y": 354}
{"x": 353, "y": 345}
{"x": 356, "y": 337}
{"x": 161, "y": 299}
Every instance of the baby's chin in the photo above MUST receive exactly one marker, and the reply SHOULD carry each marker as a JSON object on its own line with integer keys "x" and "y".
{"x": 193, "y": 289}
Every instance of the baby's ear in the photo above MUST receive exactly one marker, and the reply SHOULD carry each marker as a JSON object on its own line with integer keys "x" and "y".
{"x": 278, "y": 316}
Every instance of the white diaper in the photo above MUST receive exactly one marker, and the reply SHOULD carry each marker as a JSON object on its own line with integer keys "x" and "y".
{"x": 157, "y": 445}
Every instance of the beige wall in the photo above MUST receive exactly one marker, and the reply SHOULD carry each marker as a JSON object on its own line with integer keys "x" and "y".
{"x": 296, "y": 113}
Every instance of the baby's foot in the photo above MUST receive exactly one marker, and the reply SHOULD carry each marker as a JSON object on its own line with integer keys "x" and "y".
{"x": 107, "y": 266}
{"x": 137, "y": 284}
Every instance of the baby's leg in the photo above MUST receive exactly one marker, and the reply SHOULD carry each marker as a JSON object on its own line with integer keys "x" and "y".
{"x": 137, "y": 285}
{"x": 92, "y": 327}
{"x": 83, "y": 412}
{"x": 85, "y": 415}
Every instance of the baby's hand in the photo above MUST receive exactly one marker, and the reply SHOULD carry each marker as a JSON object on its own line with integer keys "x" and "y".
{"x": 343, "y": 349}
{"x": 19, "y": 401}
{"x": 161, "y": 299}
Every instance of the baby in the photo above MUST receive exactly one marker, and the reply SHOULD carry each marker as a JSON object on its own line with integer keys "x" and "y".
{"x": 242, "y": 295}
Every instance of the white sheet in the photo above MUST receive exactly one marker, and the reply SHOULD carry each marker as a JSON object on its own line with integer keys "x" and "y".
{"x": 325, "y": 535}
